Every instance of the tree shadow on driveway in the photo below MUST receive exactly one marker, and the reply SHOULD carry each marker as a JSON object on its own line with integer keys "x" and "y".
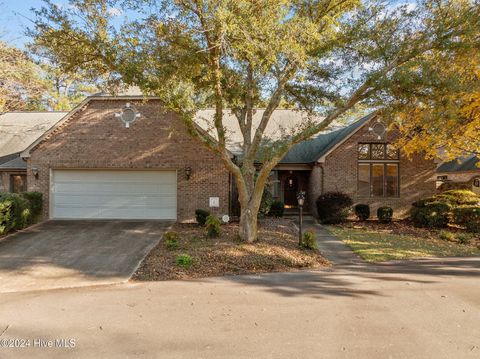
{"x": 57, "y": 254}
{"x": 350, "y": 280}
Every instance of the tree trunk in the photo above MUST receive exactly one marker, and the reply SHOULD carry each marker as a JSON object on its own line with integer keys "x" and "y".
{"x": 248, "y": 224}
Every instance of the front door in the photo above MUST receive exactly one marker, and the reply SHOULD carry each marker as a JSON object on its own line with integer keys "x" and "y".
{"x": 290, "y": 191}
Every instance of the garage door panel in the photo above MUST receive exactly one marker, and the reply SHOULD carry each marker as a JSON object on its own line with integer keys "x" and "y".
{"x": 113, "y": 200}
{"x": 113, "y": 188}
{"x": 78, "y": 194}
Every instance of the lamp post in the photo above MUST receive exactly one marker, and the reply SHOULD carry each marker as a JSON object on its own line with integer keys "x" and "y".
{"x": 301, "y": 200}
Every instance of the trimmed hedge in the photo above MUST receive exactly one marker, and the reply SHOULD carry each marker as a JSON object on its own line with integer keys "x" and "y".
{"x": 201, "y": 216}
{"x": 459, "y": 197}
{"x": 333, "y": 207}
{"x": 440, "y": 210}
{"x": 468, "y": 217}
{"x": 36, "y": 203}
{"x": 15, "y": 212}
{"x": 276, "y": 209}
{"x": 385, "y": 214}
{"x": 362, "y": 211}
{"x": 431, "y": 214}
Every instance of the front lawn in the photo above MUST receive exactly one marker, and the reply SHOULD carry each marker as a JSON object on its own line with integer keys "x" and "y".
{"x": 376, "y": 242}
{"x": 194, "y": 256}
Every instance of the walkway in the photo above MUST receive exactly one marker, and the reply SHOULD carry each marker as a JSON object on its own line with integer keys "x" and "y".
{"x": 331, "y": 247}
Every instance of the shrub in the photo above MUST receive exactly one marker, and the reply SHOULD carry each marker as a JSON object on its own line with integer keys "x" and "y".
{"x": 463, "y": 238}
{"x": 309, "y": 241}
{"x": 171, "y": 240}
{"x": 36, "y": 203}
{"x": 458, "y": 197}
{"x": 212, "y": 224}
{"x": 14, "y": 212}
{"x": 430, "y": 214}
{"x": 469, "y": 217}
{"x": 438, "y": 211}
{"x": 201, "y": 216}
{"x": 276, "y": 209}
{"x": 446, "y": 236}
{"x": 267, "y": 200}
{"x": 362, "y": 211}
{"x": 184, "y": 260}
{"x": 385, "y": 214}
{"x": 333, "y": 207}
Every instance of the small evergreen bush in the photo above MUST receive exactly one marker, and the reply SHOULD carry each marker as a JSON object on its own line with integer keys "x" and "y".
{"x": 446, "y": 236}
{"x": 201, "y": 216}
{"x": 463, "y": 238}
{"x": 14, "y": 212}
{"x": 469, "y": 217}
{"x": 36, "y": 203}
{"x": 212, "y": 226}
{"x": 309, "y": 241}
{"x": 171, "y": 240}
{"x": 459, "y": 197}
{"x": 430, "y": 214}
{"x": 385, "y": 214}
{"x": 333, "y": 207}
{"x": 276, "y": 209}
{"x": 184, "y": 260}
{"x": 267, "y": 200}
{"x": 362, "y": 211}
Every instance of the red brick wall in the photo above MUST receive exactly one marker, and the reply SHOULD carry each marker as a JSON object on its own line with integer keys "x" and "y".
{"x": 95, "y": 139}
{"x": 417, "y": 175}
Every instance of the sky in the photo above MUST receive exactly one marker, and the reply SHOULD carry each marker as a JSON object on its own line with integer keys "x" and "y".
{"x": 14, "y": 16}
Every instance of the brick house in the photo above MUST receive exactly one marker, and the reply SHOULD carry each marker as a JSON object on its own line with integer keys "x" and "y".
{"x": 125, "y": 157}
{"x": 460, "y": 173}
{"x": 18, "y": 130}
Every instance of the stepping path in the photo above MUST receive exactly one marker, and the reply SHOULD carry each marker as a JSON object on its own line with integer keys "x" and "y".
{"x": 332, "y": 247}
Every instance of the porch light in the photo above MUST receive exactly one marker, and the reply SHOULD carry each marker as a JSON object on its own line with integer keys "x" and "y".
{"x": 301, "y": 201}
{"x": 188, "y": 172}
{"x": 35, "y": 172}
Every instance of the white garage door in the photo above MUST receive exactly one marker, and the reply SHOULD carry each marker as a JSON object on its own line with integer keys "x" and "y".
{"x": 83, "y": 194}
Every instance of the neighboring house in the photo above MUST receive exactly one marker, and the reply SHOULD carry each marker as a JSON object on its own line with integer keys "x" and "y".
{"x": 18, "y": 130}
{"x": 461, "y": 173}
{"x": 91, "y": 164}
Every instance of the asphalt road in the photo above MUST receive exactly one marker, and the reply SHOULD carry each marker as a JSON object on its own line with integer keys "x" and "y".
{"x": 424, "y": 309}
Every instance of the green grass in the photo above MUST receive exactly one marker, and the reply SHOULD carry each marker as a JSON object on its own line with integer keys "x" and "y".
{"x": 380, "y": 247}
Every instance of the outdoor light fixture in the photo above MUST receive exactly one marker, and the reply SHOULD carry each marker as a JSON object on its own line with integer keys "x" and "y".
{"x": 301, "y": 201}
{"x": 35, "y": 172}
{"x": 188, "y": 172}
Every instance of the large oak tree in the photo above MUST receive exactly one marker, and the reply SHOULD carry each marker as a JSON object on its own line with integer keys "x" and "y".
{"x": 319, "y": 56}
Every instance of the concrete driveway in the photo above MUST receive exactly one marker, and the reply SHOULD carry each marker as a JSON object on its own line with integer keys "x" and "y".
{"x": 59, "y": 254}
{"x": 422, "y": 309}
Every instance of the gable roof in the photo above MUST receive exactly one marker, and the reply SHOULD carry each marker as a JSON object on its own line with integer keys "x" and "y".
{"x": 18, "y": 130}
{"x": 12, "y": 162}
{"x": 460, "y": 164}
{"x": 312, "y": 150}
{"x": 281, "y": 123}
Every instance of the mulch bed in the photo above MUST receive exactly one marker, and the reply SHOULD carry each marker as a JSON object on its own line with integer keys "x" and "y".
{"x": 276, "y": 250}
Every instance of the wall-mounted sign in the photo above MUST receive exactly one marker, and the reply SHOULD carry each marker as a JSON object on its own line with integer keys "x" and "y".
{"x": 442, "y": 178}
{"x": 214, "y": 202}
